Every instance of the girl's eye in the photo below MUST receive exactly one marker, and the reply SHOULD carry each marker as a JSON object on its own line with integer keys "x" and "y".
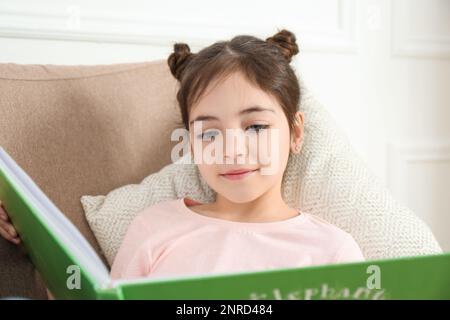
{"x": 258, "y": 127}
{"x": 207, "y": 135}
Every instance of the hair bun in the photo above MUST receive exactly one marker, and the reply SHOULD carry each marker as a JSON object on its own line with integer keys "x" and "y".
{"x": 286, "y": 42}
{"x": 177, "y": 60}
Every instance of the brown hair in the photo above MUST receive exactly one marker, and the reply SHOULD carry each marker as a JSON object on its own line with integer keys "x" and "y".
{"x": 264, "y": 63}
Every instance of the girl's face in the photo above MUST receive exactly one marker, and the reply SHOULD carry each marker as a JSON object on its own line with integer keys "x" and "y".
{"x": 235, "y": 103}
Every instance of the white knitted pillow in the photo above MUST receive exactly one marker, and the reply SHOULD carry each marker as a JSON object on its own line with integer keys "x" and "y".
{"x": 327, "y": 179}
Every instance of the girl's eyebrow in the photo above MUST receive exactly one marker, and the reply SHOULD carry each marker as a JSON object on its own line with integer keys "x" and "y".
{"x": 255, "y": 109}
{"x": 245, "y": 111}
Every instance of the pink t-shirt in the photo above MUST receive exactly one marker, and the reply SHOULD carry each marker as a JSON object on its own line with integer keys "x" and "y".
{"x": 170, "y": 240}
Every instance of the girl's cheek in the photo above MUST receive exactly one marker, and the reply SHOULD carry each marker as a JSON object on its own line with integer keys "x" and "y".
{"x": 277, "y": 156}
{"x": 268, "y": 150}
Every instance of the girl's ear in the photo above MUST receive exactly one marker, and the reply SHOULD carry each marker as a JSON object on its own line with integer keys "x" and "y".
{"x": 298, "y": 133}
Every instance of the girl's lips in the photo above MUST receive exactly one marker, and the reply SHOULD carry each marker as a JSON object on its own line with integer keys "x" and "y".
{"x": 238, "y": 176}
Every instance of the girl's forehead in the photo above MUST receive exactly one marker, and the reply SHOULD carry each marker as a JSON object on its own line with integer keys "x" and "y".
{"x": 225, "y": 98}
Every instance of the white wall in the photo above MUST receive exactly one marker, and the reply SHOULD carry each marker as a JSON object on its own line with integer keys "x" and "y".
{"x": 382, "y": 67}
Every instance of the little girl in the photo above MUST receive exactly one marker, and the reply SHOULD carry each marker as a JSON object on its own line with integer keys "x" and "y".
{"x": 244, "y": 84}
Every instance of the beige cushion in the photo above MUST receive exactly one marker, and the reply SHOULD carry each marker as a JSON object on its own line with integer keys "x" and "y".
{"x": 82, "y": 130}
{"x": 326, "y": 179}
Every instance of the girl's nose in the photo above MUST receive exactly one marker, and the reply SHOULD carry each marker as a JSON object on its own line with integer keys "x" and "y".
{"x": 235, "y": 145}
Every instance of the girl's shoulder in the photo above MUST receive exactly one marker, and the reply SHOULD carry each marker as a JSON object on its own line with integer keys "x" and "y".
{"x": 324, "y": 226}
{"x": 166, "y": 207}
{"x": 339, "y": 241}
{"x": 161, "y": 217}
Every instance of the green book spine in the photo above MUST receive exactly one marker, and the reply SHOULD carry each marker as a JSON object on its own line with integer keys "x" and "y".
{"x": 48, "y": 255}
{"x": 65, "y": 260}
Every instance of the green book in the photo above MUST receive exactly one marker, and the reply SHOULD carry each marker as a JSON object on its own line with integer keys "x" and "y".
{"x": 72, "y": 269}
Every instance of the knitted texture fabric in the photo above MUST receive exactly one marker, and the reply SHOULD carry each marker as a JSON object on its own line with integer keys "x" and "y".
{"x": 327, "y": 179}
